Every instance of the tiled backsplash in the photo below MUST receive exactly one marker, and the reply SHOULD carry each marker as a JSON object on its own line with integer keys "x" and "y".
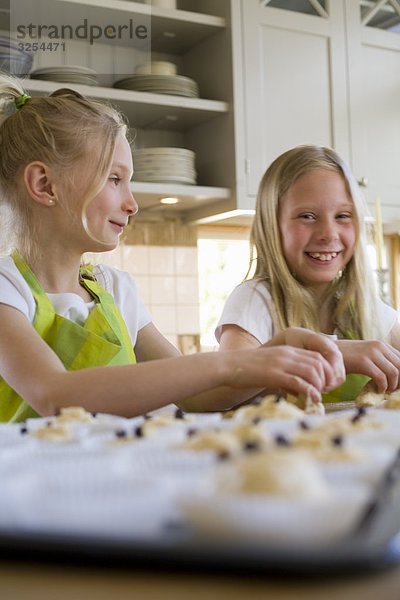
{"x": 167, "y": 279}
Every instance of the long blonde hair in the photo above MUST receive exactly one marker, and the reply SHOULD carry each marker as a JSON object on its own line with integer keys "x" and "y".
{"x": 353, "y": 293}
{"x": 63, "y": 130}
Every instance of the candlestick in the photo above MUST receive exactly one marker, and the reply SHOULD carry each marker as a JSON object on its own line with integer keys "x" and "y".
{"x": 378, "y": 234}
{"x": 382, "y": 276}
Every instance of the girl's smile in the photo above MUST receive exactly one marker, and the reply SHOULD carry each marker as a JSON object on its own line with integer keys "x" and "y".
{"x": 317, "y": 226}
{"x": 119, "y": 227}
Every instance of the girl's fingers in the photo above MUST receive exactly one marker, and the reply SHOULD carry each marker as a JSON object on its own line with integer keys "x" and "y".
{"x": 384, "y": 366}
{"x": 282, "y": 367}
{"x": 335, "y": 372}
{"x": 385, "y": 375}
{"x": 308, "y": 366}
{"x": 297, "y": 386}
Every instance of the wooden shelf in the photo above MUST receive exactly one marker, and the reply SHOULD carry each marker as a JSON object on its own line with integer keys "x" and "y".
{"x": 143, "y": 109}
{"x": 173, "y": 31}
{"x": 190, "y": 197}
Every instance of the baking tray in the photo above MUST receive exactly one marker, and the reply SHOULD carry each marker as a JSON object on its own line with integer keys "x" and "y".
{"x": 373, "y": 545}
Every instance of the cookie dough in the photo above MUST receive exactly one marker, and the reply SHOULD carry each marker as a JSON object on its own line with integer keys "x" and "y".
{"x": 279, "y": 473}
{"x": 271, "y": 407}
{"x": 54, "y": 433}
{"x": 305, "y": 403}
{"x": 325, "y": 446}
{"x": 222, "y": 442}
{"x": 74, "y": 413}
{"x": 371, "y": 399}
{"x": 252, "y": 436}
{"x": 392, "y": 400}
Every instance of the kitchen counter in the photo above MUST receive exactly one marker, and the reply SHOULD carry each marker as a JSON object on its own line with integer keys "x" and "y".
{"x": 43, "y": 581}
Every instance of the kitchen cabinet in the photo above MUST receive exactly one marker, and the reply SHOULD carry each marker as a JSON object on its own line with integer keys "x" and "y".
{"x": 198, "y": 43}
{"x": 296, "y": 86}
{"x": 374, "y": 97}
{"x": 272, "y": 74}
{"x": 329, "y": 76}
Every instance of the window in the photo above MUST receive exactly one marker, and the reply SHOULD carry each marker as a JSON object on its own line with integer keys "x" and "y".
{"x": 223, "y": 262}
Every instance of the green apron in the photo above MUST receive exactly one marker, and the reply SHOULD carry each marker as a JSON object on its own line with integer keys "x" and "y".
{"x": 103, "y": 339}
{"x": 348, "y": 391}
{"x": 351, "y": 388}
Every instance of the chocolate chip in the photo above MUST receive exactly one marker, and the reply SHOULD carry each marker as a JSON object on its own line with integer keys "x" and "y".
{"x": 23, "y": 430}
{"x": 120, "y": 433}
{"x": 361, "y": 412}
{"x": 337, "y": 441}
{"x": 251, "y": 446}
{"x": 179, "y": 414}
{"x": 278, "y": 399}
{"x": 304, "y": 425}
{"x": 191, "y": 431}
{"x": 281, "y": 440}
{"x": 146, "y": 417}
{"x": 256, "y": 420}
{"x": 223, "y": 455}
{"x": 138, "y": 431}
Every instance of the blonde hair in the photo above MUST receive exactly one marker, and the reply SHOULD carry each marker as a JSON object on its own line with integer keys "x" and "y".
{"x": 61, "y": 130}
{"x": 353, "y": 293}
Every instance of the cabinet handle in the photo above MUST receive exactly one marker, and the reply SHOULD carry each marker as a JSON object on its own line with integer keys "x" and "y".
{"x": 363, "y": 182}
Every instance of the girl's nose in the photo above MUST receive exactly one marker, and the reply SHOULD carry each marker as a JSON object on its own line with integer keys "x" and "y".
{"x": 327, "y": 231}
{"x": 131, "y": 206}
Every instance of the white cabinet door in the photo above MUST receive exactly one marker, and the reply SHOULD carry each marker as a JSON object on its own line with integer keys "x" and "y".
{"x": 295, "y": 83}
{"x": 374, "y": 91}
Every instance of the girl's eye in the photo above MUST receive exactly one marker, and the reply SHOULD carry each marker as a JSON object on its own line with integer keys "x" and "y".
{"x": 115, "y": 179}
{"x": 344, "y": 216}
{"x": 307, "y": 216}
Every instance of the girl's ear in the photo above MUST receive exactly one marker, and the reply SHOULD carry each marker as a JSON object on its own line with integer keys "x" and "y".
{"x": 39, "y": 183}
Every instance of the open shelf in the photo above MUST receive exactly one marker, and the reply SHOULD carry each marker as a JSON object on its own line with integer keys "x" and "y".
{"x": 172, "y": 30}
{"x": 143, "y": 109}
{"x": 190, "y": 196}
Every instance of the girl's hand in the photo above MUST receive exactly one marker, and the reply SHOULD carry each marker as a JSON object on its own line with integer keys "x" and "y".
{"x": 292, "y": 370}
{"x": 374, "y": 358}
{"x": 334, "y": 368}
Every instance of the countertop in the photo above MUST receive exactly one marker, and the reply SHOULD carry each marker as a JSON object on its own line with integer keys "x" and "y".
{"x": 53, "y": 581}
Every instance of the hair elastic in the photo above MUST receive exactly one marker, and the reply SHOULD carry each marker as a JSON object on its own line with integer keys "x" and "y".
{"x": 20, "y": 101}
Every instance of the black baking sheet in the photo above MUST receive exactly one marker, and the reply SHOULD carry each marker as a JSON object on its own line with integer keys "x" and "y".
{"x": 377, "y": 548}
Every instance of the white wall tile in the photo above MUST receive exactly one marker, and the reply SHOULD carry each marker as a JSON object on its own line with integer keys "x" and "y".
{"x": 113, "y": 258}
{"x": 143, "y": 284}
{"x": 164, "y": 318}
{"x": 188, "y": 319}
{"x": 187, "y": 290}
{"x": 162, "y": 289}
{"x": 136, "y": 259}
{"x": 167, "y": 281}
{"x": 162, "y": 260}
{"x": 186, "y": 260}
{"x": 173, "y": 339}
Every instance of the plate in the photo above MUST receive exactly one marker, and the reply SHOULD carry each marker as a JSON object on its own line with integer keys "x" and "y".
{"x": 161, "y": 84}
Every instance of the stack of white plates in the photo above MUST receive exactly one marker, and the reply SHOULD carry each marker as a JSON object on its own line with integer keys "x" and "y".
{"x": 66, "y": 74}
{"x": 164, "y": 165}
{"x": 13, "y": 60}
{"x": 176, "y": 85}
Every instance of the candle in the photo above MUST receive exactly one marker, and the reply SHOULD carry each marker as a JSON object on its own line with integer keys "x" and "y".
{"x": 378, "y": 234}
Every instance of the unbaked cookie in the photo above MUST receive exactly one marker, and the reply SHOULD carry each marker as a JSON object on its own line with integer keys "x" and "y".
{"x": 278, "y": 472}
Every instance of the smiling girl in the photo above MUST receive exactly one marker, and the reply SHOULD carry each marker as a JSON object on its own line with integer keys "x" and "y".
{"x": 308, "y": 243}
{"x": 72, "y": 334}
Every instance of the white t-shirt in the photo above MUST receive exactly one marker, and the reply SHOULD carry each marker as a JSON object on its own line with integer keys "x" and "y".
{"x": 250, "y": 306}
{"x": 14, "y": 291}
